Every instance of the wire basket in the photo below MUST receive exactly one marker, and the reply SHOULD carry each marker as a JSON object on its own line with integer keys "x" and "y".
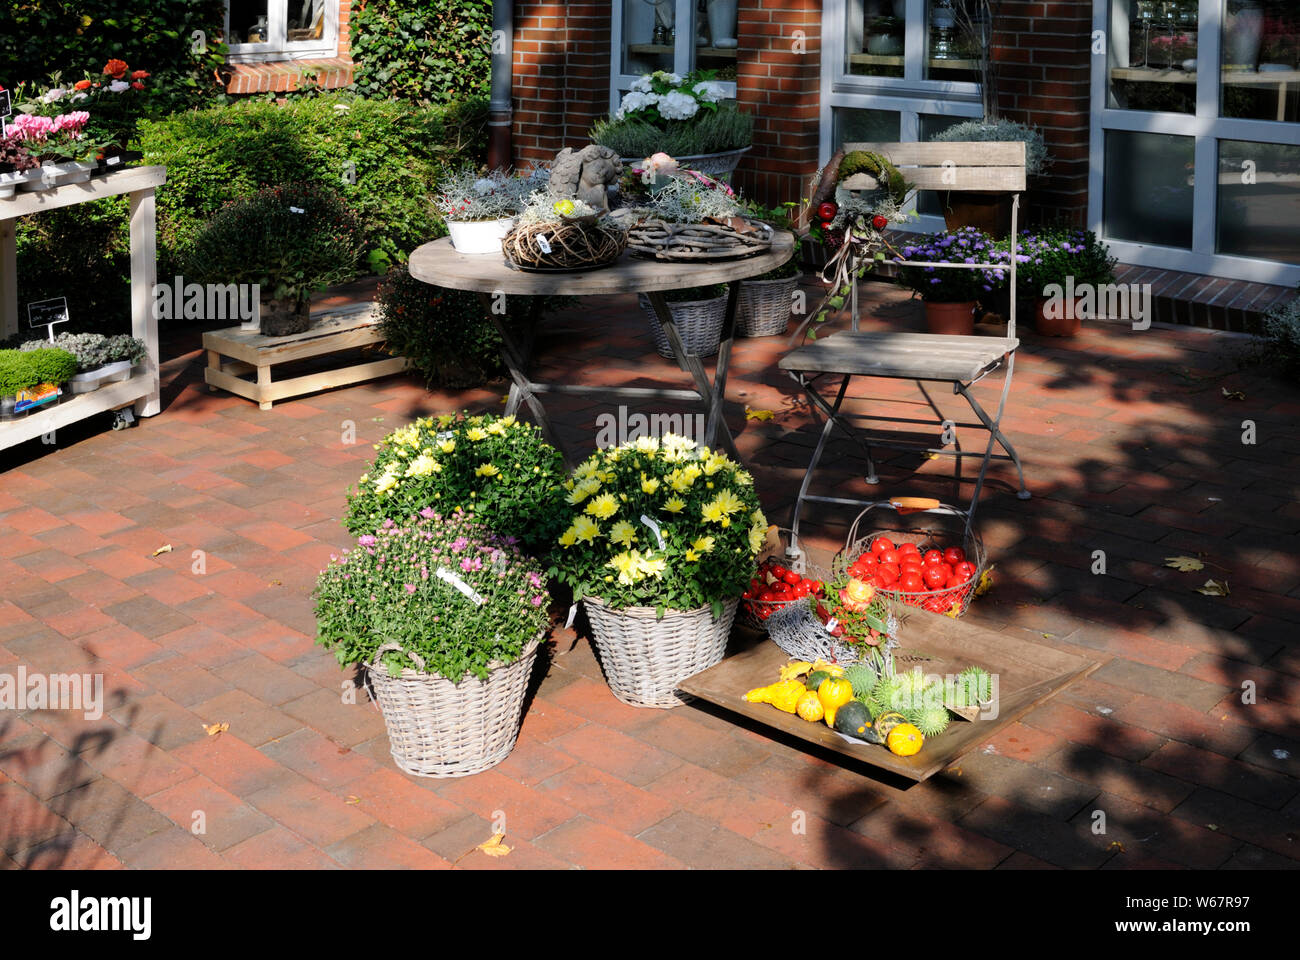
{"x": 932, "y": 529}
{"x": 798, "y": 631}
{"x": 755, "y": 613}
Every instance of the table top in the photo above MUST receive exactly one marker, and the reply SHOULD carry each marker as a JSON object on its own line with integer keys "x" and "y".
{"x": 439, "y": 263}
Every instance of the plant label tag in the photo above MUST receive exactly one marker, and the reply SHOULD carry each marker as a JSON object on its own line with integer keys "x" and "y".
{"x": 654, "y": 528}
{"x": 46, "y": 313}
{"x": 543, "y": 243}
{"x": 573, "y": 612}
{"x": 6, "y": 104}
{"x": 831, "y": 624}
{"x": 112, "y": 161}
{"x": 297, "y": 210}
{"x": 448, "y": 577}
{"x": 444, "y": 435}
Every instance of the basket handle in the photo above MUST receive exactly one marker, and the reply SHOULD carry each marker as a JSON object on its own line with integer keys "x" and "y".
{"x": 384, "y": 648}
{"x": 903, "y": 505}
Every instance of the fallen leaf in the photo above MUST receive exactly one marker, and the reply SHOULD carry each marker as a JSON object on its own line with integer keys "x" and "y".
{"x": 1184, "y": 563}
{"x": 506, "y": 398}
{"x": 986, "y": 582}
{"x": 277, "y": 583}
{"x": 352, "y": 799}
{"x": 376, "y": 419}
{"x": 1213, "y": 826}
{"x": 1116, "y": 845}
{"x": 1232, "y": 394}
{"x": 165, "y": 548}
{"x": 752, "y": 414}
{"x": 1213, "y": 588}
{"x": 932, "y": 456}
{"x": 215, "y": 728}
{"x": 494, "y": 847}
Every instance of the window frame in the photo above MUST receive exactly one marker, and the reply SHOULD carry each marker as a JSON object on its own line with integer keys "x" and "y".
{"x": 1207, "y": 128}
{"x": 279, "y": 47}
{"x": 684, "y": 45}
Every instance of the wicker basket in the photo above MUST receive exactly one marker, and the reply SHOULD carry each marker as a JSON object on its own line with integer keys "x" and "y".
{"x": 752, "y": 611}
{"x": 936, "y": 528}
{"x": 797, "y": 631}
{"x": 699, "y": 322}
{"x": 442, "y": 729}
{"x": 644, "y": 658}
{"x": 763, "y": 308}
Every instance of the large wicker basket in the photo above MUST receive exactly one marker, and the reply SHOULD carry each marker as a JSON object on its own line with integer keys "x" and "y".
{"x": 699, "y": 322}
{"x": 442, "y": 729}
{"x": 763, "y": 308}
{"x": 644, "y": 658}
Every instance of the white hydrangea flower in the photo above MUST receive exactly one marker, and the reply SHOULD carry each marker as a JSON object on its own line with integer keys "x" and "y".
{"x": 51, "y": 95}
{"x": 710, "y": 91}
{"x": 117, "y": 86}
{"x": 636, "y": 101}
{"x": 678, "y": 106}
{"x": 666, "y": 77}
{"x": 641, "y": 84}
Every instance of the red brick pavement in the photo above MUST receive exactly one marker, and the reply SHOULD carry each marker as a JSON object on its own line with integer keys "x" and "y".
{"x": 1188, "y": 738}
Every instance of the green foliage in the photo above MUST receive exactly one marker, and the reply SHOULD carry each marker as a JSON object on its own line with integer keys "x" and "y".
{"x": 499, "y": 467}
{"x": 388, "y": 589}
{"x": 1281, "y": 344}
{"x": 422, "y": 51}
{"x": 726, "y": 128}
{"x": 291, "y": 240}
{"x": 694, "y": 294}
{"x": 862, "y": 677}
{"x": 22, "y": 369}
{"x": 874, "y": 165}
{"x": 395, "y": 152}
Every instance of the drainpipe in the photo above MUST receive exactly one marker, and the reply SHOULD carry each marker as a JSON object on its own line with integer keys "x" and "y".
{"x": 500, "y": 110}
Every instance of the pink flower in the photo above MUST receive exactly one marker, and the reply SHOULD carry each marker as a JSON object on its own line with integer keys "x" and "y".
{"x": 366, "y": 540}
{"x": 410, "y": 588}
{"x": 471, "y": 563}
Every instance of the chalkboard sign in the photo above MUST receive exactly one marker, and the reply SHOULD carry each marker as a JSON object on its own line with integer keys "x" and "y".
{"x": 46, "y": 313}
{"x": 6, "y": 106}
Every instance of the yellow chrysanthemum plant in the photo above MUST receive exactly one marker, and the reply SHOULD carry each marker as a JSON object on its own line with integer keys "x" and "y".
{"x": 659, "y": 523}
{"x": 499, "y": 468}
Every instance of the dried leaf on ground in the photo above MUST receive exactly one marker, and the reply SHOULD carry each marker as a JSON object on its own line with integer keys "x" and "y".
{"x": 1232, "y": 394}
{"x": 215, "y": 728}
{"x": 1213, "y": 588}
{"x": 752, "y": 414}
{"x": 1184, "y": 563}
{"x": 986, "y": 582}
{"x": 494, "y": 847}
{"x": 165, "y": 548}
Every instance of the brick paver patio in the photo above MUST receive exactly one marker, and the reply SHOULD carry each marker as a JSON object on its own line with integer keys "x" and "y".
{"x": 1130, "y": 447}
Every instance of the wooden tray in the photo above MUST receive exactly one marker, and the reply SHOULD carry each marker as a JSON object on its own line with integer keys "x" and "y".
{"x": 1027, "y": 674}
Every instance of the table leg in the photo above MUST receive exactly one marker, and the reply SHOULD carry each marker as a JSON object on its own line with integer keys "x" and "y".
{"x": 716, "y": 418}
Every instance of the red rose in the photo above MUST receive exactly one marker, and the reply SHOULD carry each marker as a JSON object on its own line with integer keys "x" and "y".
{"x": 879, "y": 222}
{"x": 137, "y": 85}
{"x": 115, "y": 69}
{"x": 139, "y": 74}
{"x": 81, "y": 85}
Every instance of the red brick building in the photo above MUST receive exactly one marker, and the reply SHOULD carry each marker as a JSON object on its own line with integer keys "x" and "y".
{"x": 276, "y": 44}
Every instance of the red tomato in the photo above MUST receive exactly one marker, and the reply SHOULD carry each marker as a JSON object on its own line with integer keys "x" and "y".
{"x": 813, "y": 586}
{"x": 826, "y": 225}
{"x": 911, "y": 563}
{"x": 906, "y": 548}
{"x": 827, "y": 210}
{"x": 764, "y": 612}
{"x": 933, "y": 556}
{"x": 888, "y": 573}
{"x": 888, "y": 556}
{"x": 954, "y": 555}
{"x": 879, "y": 222}
{"x": 777, "y": 571}
{"x": 869, "y": 559}
{"x": 881, "y": 543}
{"x": 911, "y": 581}
{"x": 791, "y": 577}
{"x": 802, "y": 589}
{"x": 965, "y": 570}
{"x": 934, "y": 576}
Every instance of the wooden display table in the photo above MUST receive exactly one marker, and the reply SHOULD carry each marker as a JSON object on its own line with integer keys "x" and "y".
{"x": 141, "y": 391}
{"x": 235, "y": 351}
{"x": 491, "y": 274}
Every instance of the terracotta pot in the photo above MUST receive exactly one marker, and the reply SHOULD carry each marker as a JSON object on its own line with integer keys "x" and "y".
{"x": 951, "y": 318}
{"x": 990, "y": 212}
{"x": 1059, "y": 326}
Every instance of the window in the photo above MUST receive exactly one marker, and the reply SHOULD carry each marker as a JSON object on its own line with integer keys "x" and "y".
{"x": 281, "y": 29}
{"x": 1197, "y": 124}
{"x": 673, "y": 35}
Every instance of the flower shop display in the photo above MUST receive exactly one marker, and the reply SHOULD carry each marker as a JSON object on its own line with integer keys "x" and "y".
{"x": 479, "y": 210}
{"x": 687, "y": 216}
{"x": 445, "y": 616}
{"x": 498, "y": 467}
{"x": 661, "y": 541}
{"x": 683, "y": 116}
{"x": 559, "y": 233}
{"x": 989, "y": 212}
{"x": 699, "y": 314}
{"x": 949, "y": 294}
{"x": 100, "y": 359}
{"x": 1064, "y": 268}
{"x": 30, "y": 379}
{"x": 290, "y": 240}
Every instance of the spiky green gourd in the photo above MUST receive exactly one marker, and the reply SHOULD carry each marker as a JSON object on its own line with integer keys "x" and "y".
{"x": 931, "y": 721}
{"x": 974, "y": 685}
{"x": 883, "y": 696}
{"x": 862, "y": 678}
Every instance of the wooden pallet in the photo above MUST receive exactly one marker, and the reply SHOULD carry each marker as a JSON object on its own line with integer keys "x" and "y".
{"x": 234, "y": 352}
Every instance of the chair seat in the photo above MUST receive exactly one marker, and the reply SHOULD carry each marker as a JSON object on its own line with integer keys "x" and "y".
{"x": 909, "y": 356}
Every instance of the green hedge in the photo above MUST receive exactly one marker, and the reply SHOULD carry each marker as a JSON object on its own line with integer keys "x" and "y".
{"x": 422, "y": 51}
{"x": 24, "y": 369}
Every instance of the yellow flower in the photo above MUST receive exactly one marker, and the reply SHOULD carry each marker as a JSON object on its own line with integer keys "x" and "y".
{"x": 569, "y": 537}
{"x": 684, "y": 478}
{"x": 585, "y": 469}
{"x": 447, "y": 446}
{"x": 691, "y": 556}
{"x": 422, "y": 466}
{"x": 486, "y": 470}
{"x": 446, "y": 420}
{"x": 703, "y": 544}
{"x": 675, "y": 441}
{"x": 583, "y": 490}
{"x": 652, "y": 567}
{"x": 586, "y": 529}
{"x": 497, "y": 428}
{"x": 675, "y": 505}
{"x": 646, "y": 444}
{"x": 649, "y": 485}
{"x": 603, "y": 507}
{"x": 508, "y": 421}
{"x": 714, "y": 463}
{"x": 476, "y": 434}
{"x": 386, "y": 483}
{"x": 623, "y": 532}
{"x": 625, "y": 564}
{"x": 713, "y": 512}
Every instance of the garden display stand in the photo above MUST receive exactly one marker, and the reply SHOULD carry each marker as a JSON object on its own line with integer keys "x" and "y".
{"x": 438, "y": 263}
{"x": 235, "y": 351}
{"x": 140, "y": 392}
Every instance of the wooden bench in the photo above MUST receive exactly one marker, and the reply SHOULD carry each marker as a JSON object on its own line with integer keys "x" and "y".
{"x": 234, "y": 352}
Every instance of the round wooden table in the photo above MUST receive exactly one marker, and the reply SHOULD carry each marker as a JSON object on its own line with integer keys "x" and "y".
{"x": 495, "y": 279}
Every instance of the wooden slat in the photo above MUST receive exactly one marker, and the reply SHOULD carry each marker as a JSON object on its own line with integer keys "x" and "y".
{"x": 1010, "y": 153}
{"x": 71, "y": 409}
{"x": 130, "y": 180}
{"x": 906, "y": 356}
{"x": 327, "y": 379}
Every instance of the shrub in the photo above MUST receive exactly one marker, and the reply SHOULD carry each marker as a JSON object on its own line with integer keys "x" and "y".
{"x": 1281, "y": 329}
{"x": 1036, "y": 156}
{"x": 707, "y": 515}
{"x": 947, "y": 285}
{"x": 422, "y": 51}
{"x": 291, "y": 240}
{"x": 713, "y": 132}
{"x": 23, "y": 369}
{"x": 391, "y": 588}
{"x": 499, "y": 467}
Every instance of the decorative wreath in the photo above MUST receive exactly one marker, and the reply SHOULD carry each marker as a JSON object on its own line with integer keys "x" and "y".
{"x": 579, "y": 244}
{"x": 712, "y": 240}
{"x": 844, "y": 165}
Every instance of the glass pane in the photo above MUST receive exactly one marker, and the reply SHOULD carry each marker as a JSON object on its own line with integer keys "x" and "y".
{"x": 1261, "y": 60}
{"x": 1148, "y": 195}
{"x": 306, "y": 20}
{"x": 649, "y": 29}
{"x": 715, "y": 42}
{"x": 248, "y": 21}
{"x": 865, "y": 126}
{"x": 956, "y": 39}
{"x": 1152, "y": 63}
{"x": 928, "y": 201}
{"x": 874, "y": 38}
{"x": 1259, "y": 200}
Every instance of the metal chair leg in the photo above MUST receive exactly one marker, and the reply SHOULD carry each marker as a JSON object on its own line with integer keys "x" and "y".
{"x": 995, "y": 436}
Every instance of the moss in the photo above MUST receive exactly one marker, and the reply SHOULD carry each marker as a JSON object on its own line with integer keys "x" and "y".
{"x": 23, "y": 369}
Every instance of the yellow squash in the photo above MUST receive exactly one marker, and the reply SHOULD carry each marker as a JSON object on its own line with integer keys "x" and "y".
{"x": 784, "y": 695}
{"x": 833, "y": 693}
{"x": 810, "y": 707}
{"x": 904, "y": 740}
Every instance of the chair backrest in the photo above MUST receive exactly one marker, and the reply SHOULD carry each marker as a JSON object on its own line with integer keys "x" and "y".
{"x": 983, "y": 165}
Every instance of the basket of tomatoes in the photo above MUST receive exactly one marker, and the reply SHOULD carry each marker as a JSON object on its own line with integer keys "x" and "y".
{"x": 773, "y": 586}
{"x": 929, "y": 558}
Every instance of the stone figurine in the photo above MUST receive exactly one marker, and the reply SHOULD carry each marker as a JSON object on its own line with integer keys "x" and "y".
{"x": 586, "y": 174}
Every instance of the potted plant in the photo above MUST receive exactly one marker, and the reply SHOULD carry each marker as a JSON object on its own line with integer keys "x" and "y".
{"x": 31, "y": 378}
{"x": 989, "y": 212}
{"x": 949, "y": 294}
{"x": 17, "y": 165}
{"x": 499, "y": 467}
{"x": 59, "y": 143}
{"x": 1065, "y": 269}
{"x": 290, "y": 240}
{"x": 661, "y": 541}
{"x": 557, "y": 233}
{"x": 479, "y": 210}
{"x": 684, "y": 117}
{"x": 697, "y": 312}
{"x": 445, "y": 617}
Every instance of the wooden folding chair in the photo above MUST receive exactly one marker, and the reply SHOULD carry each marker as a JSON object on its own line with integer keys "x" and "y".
{"x": 924, "y": 358}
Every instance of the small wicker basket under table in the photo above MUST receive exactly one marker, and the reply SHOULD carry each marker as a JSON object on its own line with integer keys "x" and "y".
{"x": 644, "y": 658}
{"x": 699, "y": 322}
{"x": 765, "y": 305}
{"x": 442, "y": 729}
